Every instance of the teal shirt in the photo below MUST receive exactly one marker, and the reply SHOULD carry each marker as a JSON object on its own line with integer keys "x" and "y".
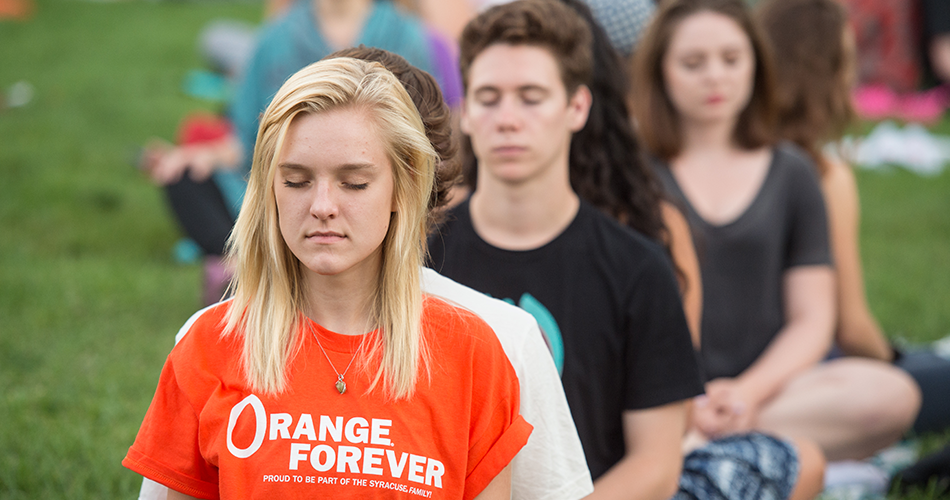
{"x": 287, "y": 45}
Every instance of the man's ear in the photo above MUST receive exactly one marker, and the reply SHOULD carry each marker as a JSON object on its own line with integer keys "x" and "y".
{"x": 463, "y": 116}
{"x": 579, "y": 108}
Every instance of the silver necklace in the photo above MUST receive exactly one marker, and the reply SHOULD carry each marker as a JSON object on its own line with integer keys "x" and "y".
{"x": 340, "y": 384}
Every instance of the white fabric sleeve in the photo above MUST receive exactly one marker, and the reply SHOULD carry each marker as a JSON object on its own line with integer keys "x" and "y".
{"x": 152, "y": 490}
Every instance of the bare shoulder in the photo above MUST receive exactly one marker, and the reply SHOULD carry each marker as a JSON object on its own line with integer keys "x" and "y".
{"x": 839, "y": 179}
{"x": 673, "y": 218}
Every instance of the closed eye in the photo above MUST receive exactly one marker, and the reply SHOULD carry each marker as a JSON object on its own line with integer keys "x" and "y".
{"x": 487, "y": 97}
{"x": 533, "y": 95}
{"x": 291, "y": 184}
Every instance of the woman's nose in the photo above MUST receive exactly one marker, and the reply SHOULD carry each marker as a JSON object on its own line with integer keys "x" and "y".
{"x": 323, "y": 206}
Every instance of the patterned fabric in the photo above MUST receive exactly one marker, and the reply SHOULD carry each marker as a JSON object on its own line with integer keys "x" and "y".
{"x": 623, "y": 20}
{"x": 887, "y": 34}
{"x": 742, "y": 466}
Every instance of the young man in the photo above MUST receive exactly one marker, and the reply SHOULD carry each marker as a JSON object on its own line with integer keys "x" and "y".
{"x": 605, "y": 296}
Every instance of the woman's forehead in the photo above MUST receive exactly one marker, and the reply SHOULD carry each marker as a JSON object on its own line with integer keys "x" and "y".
{"x": 707, "y": 30}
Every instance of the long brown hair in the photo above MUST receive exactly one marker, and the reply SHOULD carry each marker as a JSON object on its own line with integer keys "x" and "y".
{"x": 657, "y": 118}
{"x": 813, "y": 65}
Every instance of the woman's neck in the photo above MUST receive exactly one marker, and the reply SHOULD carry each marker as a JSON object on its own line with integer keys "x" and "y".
{"x": 708, "y": 137}
{"x": 341, "y": 21}
{"x": 342, "y": 303}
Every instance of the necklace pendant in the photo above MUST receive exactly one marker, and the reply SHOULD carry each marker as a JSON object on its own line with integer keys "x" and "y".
{"x": 341, "y": 385}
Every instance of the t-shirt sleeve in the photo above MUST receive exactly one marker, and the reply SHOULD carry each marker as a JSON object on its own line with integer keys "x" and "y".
{"x": 166, "y": 449}
{"x": 808, "y": 220}
{"x": 497, "y": 429}
{"x": 662, "y": 365}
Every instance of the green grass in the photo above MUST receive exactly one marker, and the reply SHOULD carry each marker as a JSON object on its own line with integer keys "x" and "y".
{"x": 905, "y": 242}
{"x": 90, "y": 298}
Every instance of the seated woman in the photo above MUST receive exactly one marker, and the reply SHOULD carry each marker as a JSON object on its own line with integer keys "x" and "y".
{"x": 609, "y": 169}
{"x": 204, "y": 180}
{"x": 704, "y": 107}
{"x": 816, "y": 73}
{"x": 326, "y": 375}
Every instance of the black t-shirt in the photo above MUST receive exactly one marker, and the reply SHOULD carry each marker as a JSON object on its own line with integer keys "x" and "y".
{"x": 743, "y": 262}
{"x": 606, "y": 298}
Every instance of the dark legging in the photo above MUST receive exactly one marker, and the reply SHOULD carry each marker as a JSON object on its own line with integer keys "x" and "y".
{"x": 932, "y": 374}
{"x": 202, "y": 213}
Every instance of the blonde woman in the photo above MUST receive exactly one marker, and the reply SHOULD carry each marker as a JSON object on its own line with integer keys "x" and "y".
{"x": 329, "y": 374}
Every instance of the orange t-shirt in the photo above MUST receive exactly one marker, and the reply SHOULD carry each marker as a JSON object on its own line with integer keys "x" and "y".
{"x": 207, "y": 435}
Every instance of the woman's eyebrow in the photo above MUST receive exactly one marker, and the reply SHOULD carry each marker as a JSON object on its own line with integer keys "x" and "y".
{"x": 355, "y": 167}
{"x": 346, "y": 167}
{"x": 292, "y": 166}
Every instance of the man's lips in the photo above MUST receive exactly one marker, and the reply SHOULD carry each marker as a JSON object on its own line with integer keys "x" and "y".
{"x": 509, "y": 150}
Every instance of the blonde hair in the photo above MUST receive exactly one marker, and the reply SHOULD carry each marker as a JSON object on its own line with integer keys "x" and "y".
{"x": 268, "y": 289}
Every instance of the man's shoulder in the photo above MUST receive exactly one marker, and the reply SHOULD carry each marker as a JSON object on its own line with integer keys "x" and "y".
{"x": 617, "y": 241}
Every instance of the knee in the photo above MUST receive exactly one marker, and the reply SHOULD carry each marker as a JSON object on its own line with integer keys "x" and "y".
{"x": 811, "y": 473}
{"x": 885, "y": 399}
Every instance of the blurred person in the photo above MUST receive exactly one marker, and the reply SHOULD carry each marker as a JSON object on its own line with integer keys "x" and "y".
{"x": 551, "y": 465}
{"x": 815, "y": 75}
{"x": 936, "y": 21}
{"x": 897, "y": 42}
{"x": 204, "y": 178}
{"x": 624, "y": 21}
{"x": 886, "y": 38}
{"x": 704, "y": 103}
{"x": 327, "y": 250}
{"x": 609, "y": 169}
{"x": 16, "y": 9}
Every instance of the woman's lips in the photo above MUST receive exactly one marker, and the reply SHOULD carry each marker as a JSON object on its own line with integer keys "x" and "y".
{"x": 325, "y": 237}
